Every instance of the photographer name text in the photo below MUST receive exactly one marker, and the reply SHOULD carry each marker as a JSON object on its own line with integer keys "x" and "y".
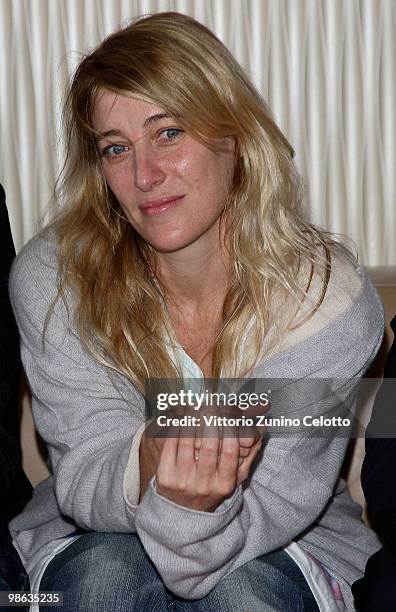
{"x": 257, "y": 421}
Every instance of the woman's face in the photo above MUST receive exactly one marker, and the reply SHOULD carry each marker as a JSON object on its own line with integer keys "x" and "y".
{"x": 171, "y": 188}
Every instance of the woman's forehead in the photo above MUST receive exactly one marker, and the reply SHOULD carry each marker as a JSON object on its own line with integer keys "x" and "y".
{"x": 112, "y": 110}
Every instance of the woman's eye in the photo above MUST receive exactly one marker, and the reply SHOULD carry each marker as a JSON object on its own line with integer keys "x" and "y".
{"x": 115, "y": 150}
{"x": 170, "y": 134}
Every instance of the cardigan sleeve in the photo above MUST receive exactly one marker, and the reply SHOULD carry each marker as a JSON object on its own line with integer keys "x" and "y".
{"x": 89, "y": 418}
{"x": 292, "y": 483}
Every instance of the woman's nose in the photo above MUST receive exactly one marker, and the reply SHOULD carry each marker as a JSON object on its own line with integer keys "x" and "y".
{"x": 148, "y": 172}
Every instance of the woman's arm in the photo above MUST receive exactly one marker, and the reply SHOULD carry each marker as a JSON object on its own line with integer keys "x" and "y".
{"x": 87, "y": 415}
{"x": 294, "y": 479}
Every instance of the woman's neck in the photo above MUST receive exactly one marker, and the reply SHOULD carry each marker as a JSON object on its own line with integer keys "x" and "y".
{"x": 196, "y": 274}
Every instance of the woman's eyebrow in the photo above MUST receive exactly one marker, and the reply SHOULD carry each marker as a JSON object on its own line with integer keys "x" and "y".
{"x": 148, "y": 121}
{"x": 101, "y": 135}
{"x": 155, "y": 118}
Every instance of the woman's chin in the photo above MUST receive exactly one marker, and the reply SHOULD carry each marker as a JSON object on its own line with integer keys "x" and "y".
{"x": 170, "y": 244}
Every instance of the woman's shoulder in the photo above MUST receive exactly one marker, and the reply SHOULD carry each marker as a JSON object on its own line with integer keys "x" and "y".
{"x": 37, "y": 262}
{"x": 351, "y": 300}
{"x": 348, "y": 325}
{"x": 33, "y": 281}
{"x": 347, "y": 282}
{"x": 341, "y": 320}
{"x": 344, "y": 295}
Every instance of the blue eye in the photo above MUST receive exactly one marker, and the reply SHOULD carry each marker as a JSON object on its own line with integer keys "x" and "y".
{"x": 170, "y": 134}
{"x": 115, "y": 150}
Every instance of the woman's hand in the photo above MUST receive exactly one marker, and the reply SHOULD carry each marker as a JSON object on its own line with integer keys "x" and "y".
{"x": 202, "y": 483}
{"x": 248, "y": 440}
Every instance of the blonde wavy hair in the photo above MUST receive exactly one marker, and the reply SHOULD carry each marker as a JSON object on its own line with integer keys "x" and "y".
{"x": 176, "y": 63}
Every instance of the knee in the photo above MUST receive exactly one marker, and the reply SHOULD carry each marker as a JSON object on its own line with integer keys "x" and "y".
{"x": 270, "y": 582}
{"x": 103, "y": 571}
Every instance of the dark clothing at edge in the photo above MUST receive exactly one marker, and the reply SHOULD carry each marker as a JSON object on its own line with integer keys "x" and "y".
{"x": 376, "y": 591}
{"x": 15, "y": 488}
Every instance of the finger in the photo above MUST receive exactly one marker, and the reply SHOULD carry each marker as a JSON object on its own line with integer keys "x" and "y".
{"x": 245, "y": 467}
{"x": 169, "y": 452}
{"x": 185, "y": 452}
{"x": 221, "y": 434}
{"x": 249, "y": 434}
{"x": 208, "y": 455}
{"x": 227, "y": 468}
{"x": 198, "y": 440}
{"x": 248, "y": 441}
{"x": 185, "y": 456}
{"x": 167, "y": 463}
{"x": 259, "y": 410}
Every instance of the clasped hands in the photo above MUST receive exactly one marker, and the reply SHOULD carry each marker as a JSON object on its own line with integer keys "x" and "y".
{"x": 198, "y": 471}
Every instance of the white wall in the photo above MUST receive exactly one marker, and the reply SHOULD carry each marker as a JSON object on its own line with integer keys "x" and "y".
{"x": 327, "y": 68}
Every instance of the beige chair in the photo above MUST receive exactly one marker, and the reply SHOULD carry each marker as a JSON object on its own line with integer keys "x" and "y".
{"x": 385, "y": 280}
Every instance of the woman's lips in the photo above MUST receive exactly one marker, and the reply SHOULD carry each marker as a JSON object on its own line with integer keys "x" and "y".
{"x": 156, "y": 207}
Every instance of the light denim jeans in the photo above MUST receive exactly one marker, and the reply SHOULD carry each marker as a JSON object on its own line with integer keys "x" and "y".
{"x": 107, "y": 572}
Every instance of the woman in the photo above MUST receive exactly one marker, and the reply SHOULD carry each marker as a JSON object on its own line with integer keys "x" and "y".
{"x": 183, "y": 253}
